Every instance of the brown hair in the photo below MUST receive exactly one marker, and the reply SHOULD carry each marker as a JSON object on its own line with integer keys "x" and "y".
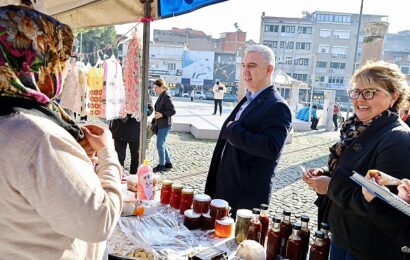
{"x": 160, "y": 83}
{"x": 386, "y": 75}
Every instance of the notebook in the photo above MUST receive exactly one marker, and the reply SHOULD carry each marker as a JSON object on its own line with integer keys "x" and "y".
{"x": 382, "y": 193}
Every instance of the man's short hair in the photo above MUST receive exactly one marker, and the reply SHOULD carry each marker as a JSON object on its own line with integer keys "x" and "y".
{"x": 267, "y": 53}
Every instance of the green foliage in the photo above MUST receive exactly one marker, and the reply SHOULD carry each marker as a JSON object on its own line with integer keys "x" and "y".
{"x": 91, "y": 40}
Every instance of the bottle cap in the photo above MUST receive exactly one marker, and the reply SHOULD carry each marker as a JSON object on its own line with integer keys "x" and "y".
{"x": 324, "y": 225}
{"x": 264, "y": 206}
{"x": 166, "y": 182}
{"x": 297, "y": 226}
{"x": 177, "y": 186}
{"x": 256, "y": 211}
{"x": 187, "y": 191}
{"x": 304, "y": 218}
{"x": 287, "y": 212}
{"x": 319, "y": 234}
{"x": 146, "y": 162}
{"x": 276, "y": 219}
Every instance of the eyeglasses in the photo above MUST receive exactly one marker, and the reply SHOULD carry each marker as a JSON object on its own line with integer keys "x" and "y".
{"x": 367, "y": 94}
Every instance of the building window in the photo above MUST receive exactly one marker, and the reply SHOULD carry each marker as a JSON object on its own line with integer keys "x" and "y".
{"x": 304, "y": 30}
{"x": 339, "y": 34}
{"x": 320, "y": 79}
{"x": 286, "y": 45}
{"x": 172, "y": 66}
{"x": 302, "y": 62}
{"x": 339, "y": 52}
{"x": 303, "y": 46}
{"x": 336, "y": 79}
{"x": 337, "y": 65}
{"x": 323, "y": 48}
{"x": 405, "y": 70}
{"x": 271, "y": 44}
{"x": 271, "y": 28}
{"x": 288, "y": 29}
{"x": 301, "y": 77}
{"x": 333, "y": 18}
{"x": 321, "y": 64}
{"x": 325, "y": 33}
{"x": 289, "y": 60}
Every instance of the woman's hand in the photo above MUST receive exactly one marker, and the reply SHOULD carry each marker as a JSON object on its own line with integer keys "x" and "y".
{"x": 97, "y": 138}
{"x": 319, "y": 184}
{"x": 158, "y": 115}
{"x": 404, "y": 190}
{"x": 382, "y": 178}
{"x": 368, "y": 196}
{"x": 312, "y": 172}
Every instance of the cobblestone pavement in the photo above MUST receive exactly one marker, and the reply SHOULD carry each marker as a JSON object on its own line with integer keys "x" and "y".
{"x": 191, "y": 158}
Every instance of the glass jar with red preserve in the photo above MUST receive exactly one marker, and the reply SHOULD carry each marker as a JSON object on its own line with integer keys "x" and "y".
{"x": 219, "y": 209}
{"x": 192, "y": 220}
{"x": 207, "y": 222}
{"x": 255, "y": 226}
{"x": 264, "y": 219}
{"x": 317, "y": 249}
{"x": 224, "y": 227}
{"x": 186, "y": 200}
{"x": 166, "y": 188}
{"x": 274, "y": 239}
{"x": 201, "y": 203}
{"x": 294, "y": 244}
{"x": 176, "y": 194}
{"x": 305, "y": 235}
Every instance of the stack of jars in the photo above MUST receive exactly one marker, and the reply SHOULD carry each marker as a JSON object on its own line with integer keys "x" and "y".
{"x": 176, "y": 196}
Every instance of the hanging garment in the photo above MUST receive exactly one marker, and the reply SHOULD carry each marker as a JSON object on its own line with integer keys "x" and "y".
{"x": 113, "y": 92}
{"x": 95, "y": 82}
{"x": 132, "y": 77}
{"x": 72, "y": 91}
{"x": 85, "y": 89}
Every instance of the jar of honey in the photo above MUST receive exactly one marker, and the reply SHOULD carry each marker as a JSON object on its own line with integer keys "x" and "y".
{"x": 186, "y": 200}
{"x": 224, "y": 227}
{"x": 176, "y": 194}
{"x": 166, "y": 188}
{"x": 201, "y": 203}
{"x": 207, "y": 222}
{"x": 219, "y": 209}
{"x": 243, "y": 219}
{"x": 192, "y": 220}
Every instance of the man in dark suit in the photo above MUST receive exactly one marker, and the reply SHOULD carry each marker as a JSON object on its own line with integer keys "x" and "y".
{"x": 252, "y": 137}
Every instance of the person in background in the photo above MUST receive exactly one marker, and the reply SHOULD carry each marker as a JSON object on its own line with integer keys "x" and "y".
{"x": 252, "y": 137}
{"x": 305, "y": 113}
{"x": 126, "y": 131}
{"x": 336, "y": 111}
{"x": 391, "y": 221}
{"x": 404, "y": 112}
{"x": 192, "y": 95}
{"x": 373, "y": 138}
{"x": 314, "y": 118}
{"x": 164, "y": 110}
{"x": 56, "y": 204}
{"x": 219, "y": 91}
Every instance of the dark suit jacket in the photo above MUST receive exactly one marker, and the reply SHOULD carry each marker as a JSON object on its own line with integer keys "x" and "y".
{"x": 166, "y": 108}
{"x": 253, "y": 145}
{"x": 384, "y": 145}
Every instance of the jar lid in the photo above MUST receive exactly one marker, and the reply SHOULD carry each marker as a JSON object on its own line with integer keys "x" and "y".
{"x": 177, "y": 186}
{"x": 189, "y": 213}
{"x": 244, "y": 213}
{"x": 225, "y": 221}
{"x": 319, "y": 234}
{"x": 219, "y": 203}
{"x": 188, "y": 191}
{"x": 206, "y": 215}
{"x": 202, "y": 197}
{"x": 264, "y": 206}
{"x": 304, "y": 218}
{"x": 166, "y": 182}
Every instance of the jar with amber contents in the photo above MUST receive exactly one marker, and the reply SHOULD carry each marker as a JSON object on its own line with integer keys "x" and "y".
{"x": 224, "y": 227}
{"x": 201, "y": 203}
{"x": 186, "y": 200}
{"x": 243, "y": 219}
{"x": 192, "y": 220}
{"x": 207, "y": 222}
{"x": 176, "y": 194}
{"x": 166, "y": 192}
{"x": 219, "y": 209}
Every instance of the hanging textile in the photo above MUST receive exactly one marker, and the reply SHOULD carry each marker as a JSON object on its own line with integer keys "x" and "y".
{"x": 85, "y": 89}
{"x": 71, "y": 95}
{"x": 113, "y": 92}
{"x": 132, "y": 77}
{"x": 95, "y": 82}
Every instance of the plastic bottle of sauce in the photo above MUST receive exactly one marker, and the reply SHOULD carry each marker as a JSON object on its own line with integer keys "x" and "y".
{"x": 255, "y": 226}
{"x": 145, "y": 182}
{"x": 264, "y": 219}
{"x": 274, "y": 239}
{"x": 285, "y": 231}
{"x": 305, "y": 235}
{"x": 317, "y": 249}
{"x": 294, "y": 244}
{"x": 326, "y": 240}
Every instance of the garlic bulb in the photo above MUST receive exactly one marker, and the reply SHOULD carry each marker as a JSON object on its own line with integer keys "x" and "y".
{"x": 250, "y": 250}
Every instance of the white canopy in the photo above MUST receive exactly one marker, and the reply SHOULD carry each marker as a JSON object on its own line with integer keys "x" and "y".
{"x": 283, "y": 80}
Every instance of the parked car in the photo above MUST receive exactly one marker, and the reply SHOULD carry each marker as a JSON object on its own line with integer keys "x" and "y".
{"x": 199, "y": 95}
{"x": 185, "y": 94}
{"x": 230, "y": 98}
{"x": 209, "y": 95}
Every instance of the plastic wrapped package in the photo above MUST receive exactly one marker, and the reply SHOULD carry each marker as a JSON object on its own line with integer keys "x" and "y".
{"x": 159, "y": 232}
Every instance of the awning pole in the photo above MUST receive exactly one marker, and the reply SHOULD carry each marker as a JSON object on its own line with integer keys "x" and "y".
{"x": 144, "y": 92}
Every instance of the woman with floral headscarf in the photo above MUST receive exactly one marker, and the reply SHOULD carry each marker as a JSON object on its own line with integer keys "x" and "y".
{"x": 54, "y": 204}
{"x": 373, "y": 138}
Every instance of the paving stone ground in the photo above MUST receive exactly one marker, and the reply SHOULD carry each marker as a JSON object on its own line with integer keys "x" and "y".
{"x": 191, "y": 158}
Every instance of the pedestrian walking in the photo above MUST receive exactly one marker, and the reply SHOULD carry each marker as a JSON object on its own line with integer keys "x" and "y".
{"x": 192, "y": 95}
{"x": 336, "y": 111}
{"x": 252, "y": 137}
{"x": 219, "y": 91}
{"x": 313, "y": 118}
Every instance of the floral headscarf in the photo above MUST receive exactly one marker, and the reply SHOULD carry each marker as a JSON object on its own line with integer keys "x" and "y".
{"x": 34, "y": 48}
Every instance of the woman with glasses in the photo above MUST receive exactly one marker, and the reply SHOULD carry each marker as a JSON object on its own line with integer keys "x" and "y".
{"x": 373, "y": 138}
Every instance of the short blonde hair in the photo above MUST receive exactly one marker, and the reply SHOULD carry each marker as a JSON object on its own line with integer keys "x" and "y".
{"x": 386, "y": 75}
{"x": 160, "y": 83}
